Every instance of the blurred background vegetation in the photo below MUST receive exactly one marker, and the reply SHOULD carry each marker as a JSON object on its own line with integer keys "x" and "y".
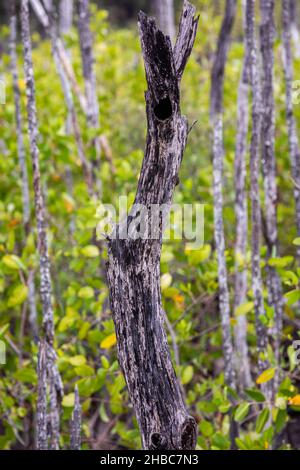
{"x": 85, "y": 338}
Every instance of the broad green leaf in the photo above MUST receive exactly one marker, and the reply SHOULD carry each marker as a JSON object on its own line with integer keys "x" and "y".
{"x": 296, "y": 241}
{"x": 262, "y": 420}
{"x": 68, "y": 400}
{"x": 90, "y": 251}
{"x": 292, "y": 296}
{"x": 206, "y": 428}
{"x": 86, "y": 293}
{"x": 241, "y": 412}
{"x": 78, "y": 360}
{"x": 27, "y": 375}
{"x": 255, "y": 395}
{"x": 13, "y": 262}
{"x": 187, "y": 374}
{"x": 18, "y": 296}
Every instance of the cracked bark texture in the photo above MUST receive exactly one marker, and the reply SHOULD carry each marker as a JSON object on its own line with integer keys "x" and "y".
{"x": 291, "y": 122}
{"x": 241, "y": 216}
{"x": 133, "y": 269}
{"x": 53, "y": 376}
{"x": 256, "y": 115}
{"x": 216, "y": 109}
{"x": 22, "y": 160}
{"x": 267, "y": 33}
{"x": 87, "y": 57}
{"x": 164, "y": 13}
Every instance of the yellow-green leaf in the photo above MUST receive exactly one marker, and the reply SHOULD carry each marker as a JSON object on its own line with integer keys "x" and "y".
{"x": 165, "y": 281}
{"x": 86, "y": 292}
{"x": 18, "y": 296}
{"x": 244, "y": 308}
{"x": 265, "y": 376}
{"x": 13, "y": 262}
{"x": 187, "y": 374}
{"x": 90, "y": 251}
{"x": 109, "y": 341}
{"x": 78, "y": 360}
{"x": 68, "y": 400}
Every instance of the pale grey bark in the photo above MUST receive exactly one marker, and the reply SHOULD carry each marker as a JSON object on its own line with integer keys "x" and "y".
{"x": 295, "y": 35}
{"x": 75, "y": 441}
{"x": 256, "y": 114}
{"x": 134, "y": 264}
{"x": 41, "y": 412}
{"x": 241, "y": 215}
{"x": 291, "y": 122}
{"x": 87, "y": 57}
{"x": 267, "y": 32}
{"x": 22, "y": 159}
{"x": 44, "y": 260}
{"x": 164, "y": 12}
{"x": 65, "y": 16}
{"x": 216, "y": 108}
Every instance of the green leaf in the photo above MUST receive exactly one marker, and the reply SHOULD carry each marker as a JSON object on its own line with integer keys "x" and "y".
{"x": 27, "y": 375}
{"x": 244, "y": 308}
{"x": 18, "y": 296}
{"x": 90, "y": 251}
{"x": 262, "y": 420}
{"x": 241, "y": 412}
{"x": 255, "y": 395}
{"x": 13, "y": 262}
{"x": 292, "y": 296}
{"x": 206, "y": 428}
{"x": 78, "y": 360}
{"x": 296, "y": 241}
{"x": 187, "y": 375}
{"x": 86, "y": 293}
{"x": 280, "y": 262}
{"x": 68, "y": 400}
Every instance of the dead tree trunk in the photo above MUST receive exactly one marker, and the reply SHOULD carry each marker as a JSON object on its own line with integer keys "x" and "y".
{"x": 267, "y": 30}
{"x": 291, "y": 122}
{"x": 164, "y": 12}
{"x": 294, "y": 11}
{"x": 65, "y": 16}
{"x": 134, "y": 261}
{"x": 257, "y": 287}
{"x": 22, "y": 160}
{"x": 241, "y": 215}
{"x": 216, "y": 110}
{"x": 53, "y": 376}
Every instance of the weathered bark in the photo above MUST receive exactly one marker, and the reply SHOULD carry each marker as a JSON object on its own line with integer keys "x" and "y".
{"x": 164, "y": 12}
{"x": 216, "y": 108}
{"x": 65, "y": 16}
{"x": 267, "y": 30}
{"x": 75, "y": 441}
{"x": 87, "y": 57}
{"x": 22, "y": 160}
{"x": 295, "y": 27}
{"x": 241, "y": 215}
{"x": 291, "y": 123}
{"x": 217, "y": 75}
{"x": 44, "y": 260}
{"x": 41, "y": 412}
{"x": 134, "y": 262}
{"x": 256, "y": 114}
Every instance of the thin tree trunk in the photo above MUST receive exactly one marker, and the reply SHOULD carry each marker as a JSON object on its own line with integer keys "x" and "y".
{"x": 65, "y": 16}
{"x": 257, "y": 287}
{"x": 216, "y": 110}
{"x": 241, "y": 215}
{"x": 87, "y": 57}
{"x": 44, "y": 260}
{"x": 267, "y": 30}
{"x": 295, "y": 27}
{"x": 291, "y": 123}
{"x": 134, "y": 261}
{"x": 22, "y": 160}
{"x": 75, "y": 441}
{"x": 164, "y": 12}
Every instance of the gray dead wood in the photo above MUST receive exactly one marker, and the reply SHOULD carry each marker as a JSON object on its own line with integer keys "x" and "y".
{"x": 133, "y": 268}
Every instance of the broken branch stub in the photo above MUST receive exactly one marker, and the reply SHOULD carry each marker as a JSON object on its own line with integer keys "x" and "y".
{"x": 133, "y": 267}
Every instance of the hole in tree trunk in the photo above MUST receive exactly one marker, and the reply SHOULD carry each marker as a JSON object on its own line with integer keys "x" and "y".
{"x": 163, "y": 109}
